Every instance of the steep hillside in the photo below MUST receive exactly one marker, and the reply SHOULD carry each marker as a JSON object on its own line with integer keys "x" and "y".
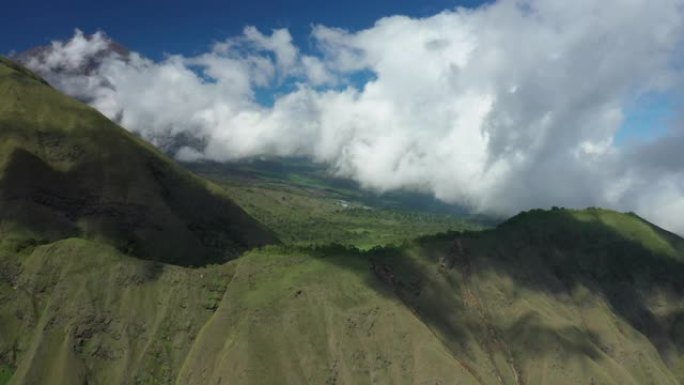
{"x": 561, "y": 297}
{"x": 67, "y": 171}
{"x": 558, "y": 297}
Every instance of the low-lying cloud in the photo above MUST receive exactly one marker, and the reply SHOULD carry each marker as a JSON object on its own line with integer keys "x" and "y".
{"x": 508, "y": 106}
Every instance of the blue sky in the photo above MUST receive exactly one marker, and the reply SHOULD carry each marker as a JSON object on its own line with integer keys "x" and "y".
{"x": 648, "y": 117}
{"x": 188, "y": 27}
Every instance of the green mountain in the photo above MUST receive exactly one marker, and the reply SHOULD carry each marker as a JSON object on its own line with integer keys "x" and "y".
{"x": 88, "y": 296}
{"x": 67, "y": 171}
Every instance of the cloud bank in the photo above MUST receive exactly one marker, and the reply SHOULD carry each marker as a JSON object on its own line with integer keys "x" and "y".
{"x": 509, "y": 106}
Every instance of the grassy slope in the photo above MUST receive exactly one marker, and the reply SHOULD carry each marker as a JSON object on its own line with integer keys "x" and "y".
{"x": 76, "y": 309}
{"x": 66, "y": 171}
{"x": 298, "y": 319}
{"x": 131, "y": 321}
{"x": 533, "y": 302}
{"x": 563, "y": 297}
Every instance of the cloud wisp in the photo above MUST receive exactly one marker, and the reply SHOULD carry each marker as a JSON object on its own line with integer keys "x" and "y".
{"x": 509, "y": 106}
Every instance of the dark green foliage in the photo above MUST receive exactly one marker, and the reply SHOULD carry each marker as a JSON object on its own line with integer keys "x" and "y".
{"x": 5, "y": 374}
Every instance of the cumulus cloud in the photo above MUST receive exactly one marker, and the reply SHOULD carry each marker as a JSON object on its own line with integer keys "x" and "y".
{"x": 512, "y": 105}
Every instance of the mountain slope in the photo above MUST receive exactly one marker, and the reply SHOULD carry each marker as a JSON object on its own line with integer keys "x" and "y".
{"x": 271, "y": 317}
{"x": 67, "y": 171}
{"x": 562, "y": 296}
{"x": 547, "y": 297}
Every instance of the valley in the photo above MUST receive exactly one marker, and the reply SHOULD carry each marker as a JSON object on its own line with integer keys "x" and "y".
{"x": 306, "y": 206}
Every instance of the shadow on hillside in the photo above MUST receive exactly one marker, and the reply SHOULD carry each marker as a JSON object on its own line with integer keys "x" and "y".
{"x": 552, "y": 252}
{"x": 143, "y": 206}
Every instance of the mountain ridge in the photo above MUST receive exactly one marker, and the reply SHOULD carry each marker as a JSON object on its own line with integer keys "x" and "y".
{"x": 68, "y": 165}
{"x": 472, "y": 307}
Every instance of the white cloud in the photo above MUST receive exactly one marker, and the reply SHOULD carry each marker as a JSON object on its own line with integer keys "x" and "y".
{"x": 74, "y": 54}
{"x": 512, "y": 105}
{"x": 280, "y": 43}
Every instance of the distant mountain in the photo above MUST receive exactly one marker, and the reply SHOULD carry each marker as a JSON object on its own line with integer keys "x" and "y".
{"x": 67, "y": 171}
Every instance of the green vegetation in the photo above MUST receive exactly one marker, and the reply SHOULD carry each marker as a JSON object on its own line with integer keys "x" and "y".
{"x": 304, "y": 205}
{"x": 6, "y": 373}
{"x": 75, "y": 310}
{"x": 67, "y": 171}
{"x": 520, "y": 304}
{"x": 106, "y": 275}
{"x": 315, "y": 178}
{"x": 304, "y": 217}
